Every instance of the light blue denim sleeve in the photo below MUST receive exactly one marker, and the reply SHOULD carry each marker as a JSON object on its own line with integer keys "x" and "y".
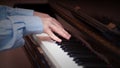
{"x": 14, "y": 28}
{"x": 16, "y": 23}
{"x": 16, "y": 11}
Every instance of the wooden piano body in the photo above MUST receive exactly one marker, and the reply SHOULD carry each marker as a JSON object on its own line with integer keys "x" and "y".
{"x": 102, "y": 39}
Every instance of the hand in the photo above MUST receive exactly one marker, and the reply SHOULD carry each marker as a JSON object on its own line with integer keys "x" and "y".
{"x": 51, "y": 25}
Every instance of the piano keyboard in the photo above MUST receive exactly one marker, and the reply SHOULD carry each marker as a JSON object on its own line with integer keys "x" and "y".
{"x": 68, "y": 54}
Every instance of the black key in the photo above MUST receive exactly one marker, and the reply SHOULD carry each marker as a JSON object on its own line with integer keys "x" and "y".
{"x": 90, "y": 62}
{"x": 82, "y": 55}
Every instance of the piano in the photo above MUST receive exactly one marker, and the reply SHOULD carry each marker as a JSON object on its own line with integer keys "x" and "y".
{"x": 93, "y": 44}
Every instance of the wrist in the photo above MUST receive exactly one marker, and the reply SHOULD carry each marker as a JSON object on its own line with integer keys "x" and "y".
{"x": 35, "y": 13}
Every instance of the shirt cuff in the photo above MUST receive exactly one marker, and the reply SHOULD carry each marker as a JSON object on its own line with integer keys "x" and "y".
{"x": 33, "y": 24}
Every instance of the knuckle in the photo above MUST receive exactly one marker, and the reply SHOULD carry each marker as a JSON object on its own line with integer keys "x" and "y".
{"x": 50, "y": 18}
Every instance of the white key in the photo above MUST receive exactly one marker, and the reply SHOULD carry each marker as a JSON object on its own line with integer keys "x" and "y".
{"x": 57, "y": 56}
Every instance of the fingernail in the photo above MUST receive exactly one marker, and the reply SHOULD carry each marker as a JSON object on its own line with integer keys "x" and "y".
{"x": 68, "y": 37}
{"x": 59, "y": 40}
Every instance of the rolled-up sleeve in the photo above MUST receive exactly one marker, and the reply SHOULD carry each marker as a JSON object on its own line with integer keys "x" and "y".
{"x": 19, "y": 11}
{"x": 33, "y": 24}
{"x": 15, "y": 11}
{"x": 14, "y": 28}
{"x": 16, "y": 23}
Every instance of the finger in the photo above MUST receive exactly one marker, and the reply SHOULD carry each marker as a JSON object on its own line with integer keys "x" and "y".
{"x": 53, "y": 36}
{"x": 54, "y": 21}
{"x": 60, "y": 31}
{"x": 58, "y": 25}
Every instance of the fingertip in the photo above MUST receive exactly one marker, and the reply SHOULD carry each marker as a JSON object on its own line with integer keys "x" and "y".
{"x": 69, "y": 36}
{"x": 59, "y": 40}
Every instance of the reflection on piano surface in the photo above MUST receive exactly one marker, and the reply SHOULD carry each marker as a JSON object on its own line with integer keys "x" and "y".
{"x": 93, "y": 44}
